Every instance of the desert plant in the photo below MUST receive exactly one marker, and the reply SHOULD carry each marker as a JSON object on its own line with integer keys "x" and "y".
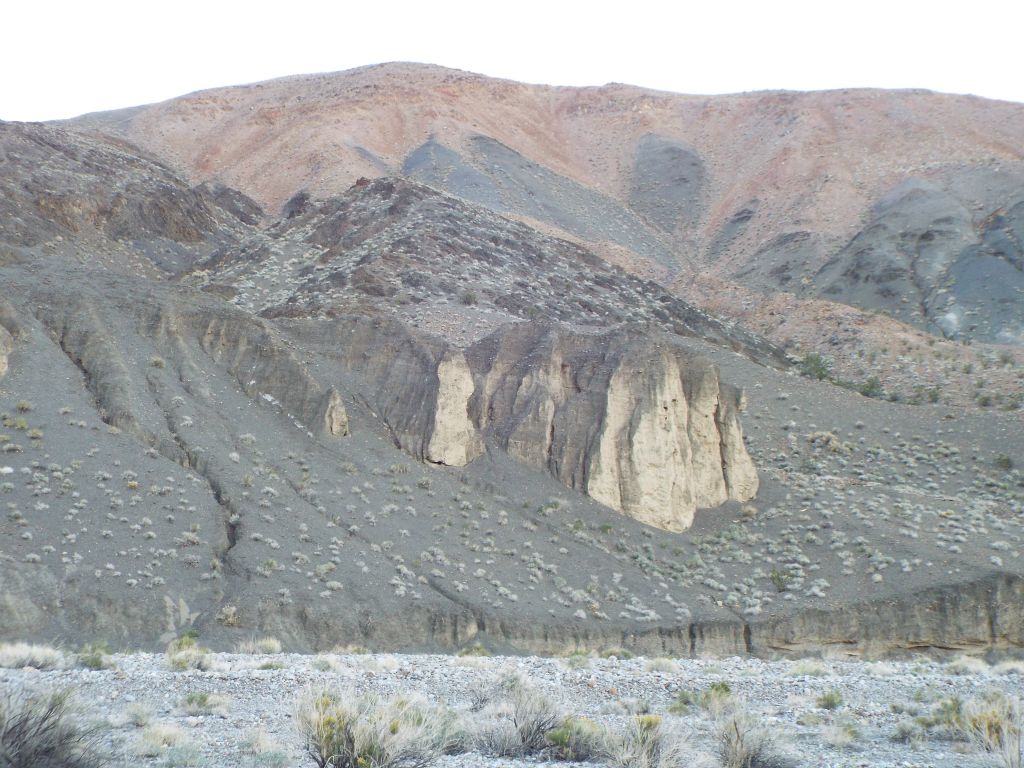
{"x": 95, "y": 656}
{"x": 577, "y": 739}
{"x": 807, "y": 668}
{"x": 519, "y": 722}
{"x": 815, "y": 366}
{"x": 267, "y": 645}
{"x": 661, "y": 665}
{"x": 346, "y": 730}
{"x": 618, "y": 653}
{"x": 716, "y": 698}
{"x": 18, "y": 655}
{"x": 647, "y": 742}
{"x": 872, "y": 388}
{"x": 42, "y": 731}
{"x": 228, "y": 616}
{"x": 185, "y": 653}
{"x": 203, "y": 704}
{"x": 830, "y": 700}
{"x": 684, "y": 700}
{"x": 967, "y": 665}
{"x": 263, "y": 751}
{"x": 743, "y": 742}
{"x": 994, "y": 723}
{"x": 157, "y": 737}
{"x": 138, "y": 714}
{"x": 477, "y": 649}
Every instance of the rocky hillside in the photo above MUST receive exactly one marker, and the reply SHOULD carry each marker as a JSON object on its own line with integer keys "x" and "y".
{"x": 393, "y": 417}
{"x": 906, "y": 201}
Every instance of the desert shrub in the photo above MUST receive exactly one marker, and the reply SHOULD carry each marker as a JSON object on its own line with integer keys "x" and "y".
{"x": 661, "y": 665}
{"x": 807, "y": 668}
{"x": 830, "y": 700}
{"x": 18, "y": 655}
{"x": 743, "y": 742}
{"x": 519, "y": 722}
{"x": 42, "y": 731}
{"x": 203, "y": 704}
{"x": 967, "y": 665}
{"x": 577, "y": 739}
{"x": 185, "y": 653}
{"x": 1003, "y": 462}
{"x": 228, "y": 616}
{"x": 647, "y": 742}
{"x": 477, "y": 649}
{"x": 908, "y": 732}
{"x": 946, "y": 719}
{"x": 157, "y": 737}
{"x": 683, "y": 701}
{"x": 815, "y": 366}
{"x": 618, "y": 653}
{"x": 262, "y": 750}
{"x": 994, "y": 723}
{"x": 95, "y": 656}
{"x": 780, "y": 579}
{"x": 872, "y": 388}
{"x": 138, "y": 714}
{"x": 260, "y": 645}
{"x": 347, "y": 730}
{"x": 716, "y": 698}
{"x": 578, "y": 660}
{"x": 841, "y": 735}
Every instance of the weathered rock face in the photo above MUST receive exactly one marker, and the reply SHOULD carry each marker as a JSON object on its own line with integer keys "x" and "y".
{"x": 182, "y": 335}
{"x": 10, "y": 329}
{"x": 6, "y": 345}
{"x": 454, "y": 439}
{"x": 638, "y": 423}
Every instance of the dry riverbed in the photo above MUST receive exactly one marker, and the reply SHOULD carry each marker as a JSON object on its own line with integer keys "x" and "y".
{"x": 824, "y": 713}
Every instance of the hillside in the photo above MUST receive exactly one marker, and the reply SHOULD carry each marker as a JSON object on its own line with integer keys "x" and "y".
{"x": 443, "y": 406}
{"x": 908, "y": 202}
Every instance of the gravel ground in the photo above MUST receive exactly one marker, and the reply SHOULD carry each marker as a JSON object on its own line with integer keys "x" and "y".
{"x": 783, "y": 694}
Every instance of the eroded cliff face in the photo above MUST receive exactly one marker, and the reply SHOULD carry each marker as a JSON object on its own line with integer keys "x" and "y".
{"x": 187, "y": 338}
{"x": 636, "y": 422}
{"x": 10, "y": 330}
{"x": 455, "y": 440}
{"x": 6, "y": 345}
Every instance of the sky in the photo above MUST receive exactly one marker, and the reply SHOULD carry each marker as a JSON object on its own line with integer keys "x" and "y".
{"x": 66, "y": 57}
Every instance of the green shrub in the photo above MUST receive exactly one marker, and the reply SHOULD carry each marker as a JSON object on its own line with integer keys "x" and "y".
{"x": 815, "y": 366}
{"x": 95, "y": 656}
{"x": 347, "y": 730}
{"x": 684, "y": 700}
{"x": 872, "y": 388}
{"x": 185, "y": 653}
{"x": 830, "y": 700}
{"x": 577, "y": 739}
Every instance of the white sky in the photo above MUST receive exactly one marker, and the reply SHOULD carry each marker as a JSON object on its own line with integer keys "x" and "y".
{"x": 65, "y": 57}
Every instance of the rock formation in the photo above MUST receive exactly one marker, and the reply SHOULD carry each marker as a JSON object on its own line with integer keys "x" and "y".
{"x": 636, "y": 422}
